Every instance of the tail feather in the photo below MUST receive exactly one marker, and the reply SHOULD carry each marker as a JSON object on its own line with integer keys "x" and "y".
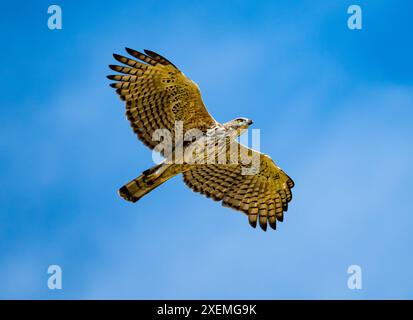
{"x": 137, "y": 188}
{"x": 145, "y": 183}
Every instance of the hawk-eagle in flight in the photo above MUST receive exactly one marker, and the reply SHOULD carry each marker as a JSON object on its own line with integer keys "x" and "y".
{"x": 158, "y": 95}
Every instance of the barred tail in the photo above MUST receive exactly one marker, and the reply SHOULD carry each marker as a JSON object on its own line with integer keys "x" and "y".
{"x": 145, "y": 183}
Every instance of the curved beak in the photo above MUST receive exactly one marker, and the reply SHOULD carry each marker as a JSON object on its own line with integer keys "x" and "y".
{"x": 250, "y": 122}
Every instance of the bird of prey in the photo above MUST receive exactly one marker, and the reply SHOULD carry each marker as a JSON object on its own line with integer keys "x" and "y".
{"x": 158, "y": 95}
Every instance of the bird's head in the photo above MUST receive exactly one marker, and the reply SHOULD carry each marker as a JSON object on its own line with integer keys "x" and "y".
{"x": 238, "y": 125}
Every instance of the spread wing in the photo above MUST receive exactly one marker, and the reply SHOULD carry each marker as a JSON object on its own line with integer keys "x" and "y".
{"x": 263, "y": 196}
{"x": 158, "y": 94}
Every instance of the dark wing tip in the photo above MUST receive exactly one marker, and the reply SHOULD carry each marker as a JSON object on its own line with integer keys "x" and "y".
{"x": 159, "y": 58}
{"x": 139, "y": 55}
{"x": 130, "y": 51}
{"x": 119, "y": 57}
{"x": 273, "y": 223}
{"x": 280, "y": 218}
{"x": 135, "y": 53}
{"x": 150, "y": 52}
{"x": 113, "y": 67}
{"x": 263, "y": 225}
{"x": 252, "y": 219}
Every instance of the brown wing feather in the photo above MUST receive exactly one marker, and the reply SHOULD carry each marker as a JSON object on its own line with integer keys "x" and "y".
{"x": 263, "y": 196}
{"x": 158, "y": 94}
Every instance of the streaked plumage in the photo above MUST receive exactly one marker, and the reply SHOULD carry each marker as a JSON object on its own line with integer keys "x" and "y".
{"x": 158, "y": 94}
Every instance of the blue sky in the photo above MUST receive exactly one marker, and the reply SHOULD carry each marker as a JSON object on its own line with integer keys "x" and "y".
{"x": 335, "y": 110}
